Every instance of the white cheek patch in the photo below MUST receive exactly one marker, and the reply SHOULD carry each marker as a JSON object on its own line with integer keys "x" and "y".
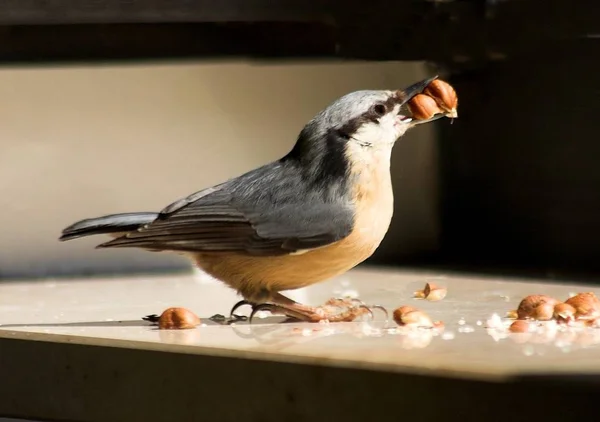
{"x": 370, "y": 133}
{"x": 390, "y": 127}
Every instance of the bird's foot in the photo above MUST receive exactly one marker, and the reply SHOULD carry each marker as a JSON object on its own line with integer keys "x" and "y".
{"x": 347, "y": 302}
{"x": 222, "y": 319}
{"x": 239, "y": 305}
{"x": 334, "y": 310}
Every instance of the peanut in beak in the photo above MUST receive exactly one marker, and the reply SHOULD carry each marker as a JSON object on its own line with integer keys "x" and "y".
{"x": 438, "y": 97}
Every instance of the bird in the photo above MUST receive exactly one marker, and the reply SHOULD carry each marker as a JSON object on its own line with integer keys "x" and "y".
{"x": 309, "y": 216}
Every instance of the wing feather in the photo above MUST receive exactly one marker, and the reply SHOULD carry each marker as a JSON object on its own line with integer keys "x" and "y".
{"x": 269, "y": 219}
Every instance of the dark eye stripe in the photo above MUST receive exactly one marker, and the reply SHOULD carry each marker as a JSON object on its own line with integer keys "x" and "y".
{"x": 369, "y": 116}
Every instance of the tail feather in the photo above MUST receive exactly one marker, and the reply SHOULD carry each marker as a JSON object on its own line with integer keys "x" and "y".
{"x": 115, "y": 223}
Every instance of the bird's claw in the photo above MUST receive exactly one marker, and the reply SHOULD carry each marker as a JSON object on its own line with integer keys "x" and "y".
{"x": 222, "y": 319}
{"x": 151, "y": 318}
{"x": 382, "y": 309}
{"x": 351, "y": 308}
{"x": 269, "y": 307}
{"x": 239, "y": 305}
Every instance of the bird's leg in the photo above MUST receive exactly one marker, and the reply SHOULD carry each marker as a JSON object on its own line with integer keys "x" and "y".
{"x": 350, "y": 302}
{"x": 280, "y": 304}
{"x": 239, "y": 305}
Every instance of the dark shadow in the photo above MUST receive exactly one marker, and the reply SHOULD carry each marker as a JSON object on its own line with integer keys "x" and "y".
{"x": 135, "y": 323}
{"x": 132, "y": 323}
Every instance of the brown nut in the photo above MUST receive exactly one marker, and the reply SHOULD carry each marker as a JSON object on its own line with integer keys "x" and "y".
{"x": 400, "y": 312}
{"x": 564, "y": 313}
{"x": 519, "y": 326}
{"x": 590, "y": 296}
{"x": 587, "y": 305}
{"x": 423, "y": 107}
{"x": 412, "y": 317}
{"x": 437, "y": 294}
{"x": 527, "y": 307}
{"x": 178, "y": 319}
{"x": 434, "y": 292}
{"x": 544, "y": 312}
{"x": 444, "y": 95}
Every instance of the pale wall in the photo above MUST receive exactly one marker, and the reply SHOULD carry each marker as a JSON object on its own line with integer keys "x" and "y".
{"x": 84, "y": 141}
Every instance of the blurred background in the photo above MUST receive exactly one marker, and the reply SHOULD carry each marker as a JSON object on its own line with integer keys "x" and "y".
{"x": 126, "y": 106}
{"x": 84, "y": 141}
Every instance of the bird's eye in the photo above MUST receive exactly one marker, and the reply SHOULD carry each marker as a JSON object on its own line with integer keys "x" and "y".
{"x": 379, "y": 109}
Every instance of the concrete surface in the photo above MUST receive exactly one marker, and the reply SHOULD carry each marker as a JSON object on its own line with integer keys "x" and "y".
{"x": 78, "y": 349}
{"x": 104, "y": 311}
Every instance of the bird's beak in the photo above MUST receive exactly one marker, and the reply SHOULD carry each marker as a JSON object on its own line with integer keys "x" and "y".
{"x": 420, "y": 122}
{"x": 415, "y": 89}
{"x": 408, "y": 93}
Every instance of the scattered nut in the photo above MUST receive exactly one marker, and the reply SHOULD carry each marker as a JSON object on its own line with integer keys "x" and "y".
{"x": 412, "y": 317}
{"x": 423, "y": 107}
{"x": 527, "y": 307}
{"x": 400, "y": 312}
{"x": 178, "y": 319}
{"x": 519, "y": 326}
{"x": 544, "y": 312}
{"x": 431, "y": 292}
{"x": 434, "y": 292}
{"x": 587, "y": 305}
{"x": 564, "y": 313}
{"x": 437, "y": 294}
{"x": 444, "y": 95}
{"x": 591, "y": 296}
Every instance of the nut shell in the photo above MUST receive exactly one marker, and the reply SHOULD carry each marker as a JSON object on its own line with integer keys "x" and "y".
{"x": 587, "y": 305}
{"x": 563, "y": 312}
{"x": 433, "y": 292}
{"x": 544, "y": 312}
{"x": 423, "y": 107}
{"x": 527, "y": 307}
{"x": 178, "y": 319}
{"x": 412, "y": 317}
{"x": 519, "y": 326}
{"x": 444, "y": 95}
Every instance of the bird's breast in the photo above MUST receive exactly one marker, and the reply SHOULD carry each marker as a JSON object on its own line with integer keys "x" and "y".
{"x": 374, "y": 204}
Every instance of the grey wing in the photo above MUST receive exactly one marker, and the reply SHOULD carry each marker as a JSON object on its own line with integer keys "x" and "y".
{"x": 217, "y": 220}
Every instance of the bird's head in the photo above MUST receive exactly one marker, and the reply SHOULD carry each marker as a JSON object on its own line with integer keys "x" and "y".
{"x": 356, "y": 127}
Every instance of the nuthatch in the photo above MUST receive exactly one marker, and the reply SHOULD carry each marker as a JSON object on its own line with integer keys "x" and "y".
{"x": 312, "y": 215}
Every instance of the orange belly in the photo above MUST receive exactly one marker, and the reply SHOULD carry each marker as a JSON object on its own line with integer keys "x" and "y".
{"x": 256, "y": 277}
